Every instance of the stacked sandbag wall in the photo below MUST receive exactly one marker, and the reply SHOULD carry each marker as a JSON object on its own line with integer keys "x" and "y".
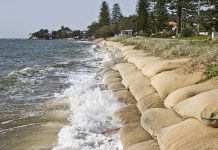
{"x": 166, "y": 106}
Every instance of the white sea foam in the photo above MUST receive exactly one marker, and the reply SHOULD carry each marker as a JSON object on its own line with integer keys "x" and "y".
{"x": 91, "y": 111}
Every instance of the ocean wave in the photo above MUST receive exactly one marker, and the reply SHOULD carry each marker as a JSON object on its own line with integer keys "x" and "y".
{"x": 91, "y": 110}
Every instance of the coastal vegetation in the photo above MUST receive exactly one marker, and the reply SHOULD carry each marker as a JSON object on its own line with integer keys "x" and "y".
{"x": 203, "y": 53}
{"x": 62, "y": 33}
{"x": 159, "y": 18}
{"x": 167, "y": 28}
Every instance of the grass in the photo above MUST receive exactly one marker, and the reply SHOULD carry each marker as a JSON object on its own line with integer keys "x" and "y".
{"x": 203, "y": 52}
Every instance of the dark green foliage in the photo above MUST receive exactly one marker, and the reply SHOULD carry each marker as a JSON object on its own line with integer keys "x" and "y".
{"x": 107, "y": 31}
{"x": 143, "y": 15}
{"x": 187, "y": 32}
{"x": 42, "y": 34}
{"x": 92, "y": 29}
{"x": 216, "y": 16}
{"x": 64, "y": 32}
{"x": 211, "y": 71}
{"x": 181, "y": 7}
{"x": 128, "y": 23}
{"x": 104, "y": 18}
{"x": 161, "y": 15}
{"x": 116, "y": 14}
{"x": 163, "y": 35}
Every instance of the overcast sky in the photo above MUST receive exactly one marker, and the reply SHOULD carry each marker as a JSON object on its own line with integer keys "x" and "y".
{"x": 18, "y": 18}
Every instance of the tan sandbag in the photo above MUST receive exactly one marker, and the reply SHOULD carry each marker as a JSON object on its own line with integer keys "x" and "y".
{"x": 203, "y": 107}
{"x": 152, "y": 101}
{"x": 155, "y": 119}
{"x": 190, "y": 134}
{"x": 130, "y": 55}
{"x": 140, "y": 62}
{"x": 110, "y": 74}
{"x": 126, "y": 48}
{"x": 116, "y": 86}
{"x": 132, "y": 51}
{"x": 125, "y": 68}
{"x": 132, "y": 134}
{"x": 112, "y": 80}
{"x": 131, "y": 77}
{"x": 169, "y": 81}
{"x": 106, "y": 69}
{"x": 141, "y": 88}
{"x": 163, "y": 65}
{"x": 189, "y": 91}
{"x": 125, "y": 96}
{"x": 127, "y": 114}
{"x": 147, "y": 145}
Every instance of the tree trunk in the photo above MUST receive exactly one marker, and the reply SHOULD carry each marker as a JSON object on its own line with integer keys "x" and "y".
{"x": 179, "y": 17}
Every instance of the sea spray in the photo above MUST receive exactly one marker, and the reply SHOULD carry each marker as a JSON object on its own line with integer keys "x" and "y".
{"x": 91, "y": 112}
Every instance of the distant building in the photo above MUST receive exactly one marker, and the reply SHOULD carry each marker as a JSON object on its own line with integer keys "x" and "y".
{"x": 214, "y": 35}
{"x": 126, "y": 33}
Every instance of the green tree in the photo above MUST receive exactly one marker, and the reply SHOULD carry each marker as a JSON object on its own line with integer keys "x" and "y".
{"x": 92, "y": 29}
{"x": 216, "y": 16}
{"x": 107, "y": 31}
{"x": 41, "y": 34}
{"x": 128, "y": 23}
{"x": 116, "y": 14}
{"x": 104, "y": 18}
{"x": 161, "y": 14}
{"x": 184, "y": 10}
{"x": 142, "y": 10}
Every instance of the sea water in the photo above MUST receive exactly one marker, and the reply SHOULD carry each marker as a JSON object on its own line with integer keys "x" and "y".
{"x": 50, "y": 96}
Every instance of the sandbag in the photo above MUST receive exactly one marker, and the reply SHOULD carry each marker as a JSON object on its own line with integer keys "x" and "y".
{"x": 108, "y": 81}
{"x": 130, "y": 55}
{"x": 125, "y": 68}
{"x": 189, "y": 91}
{"x": 116, "y": 86}
{"x": 107, "y": 69}
{"x": 155, "y": 119}
{"x": 140, "y": 62}
{"x": 163, "y": 65}
{"x": 152, "y": 101}
{"x": 131, "y": 77}
{"x": 141, "y": 88}
{"x": 147, "y": 145}
{"x": 126, "y": 48}
{"x": 132, "y": 134}
{"x": 110, "y": 74}
{"x": 203, "y": 107}
{"x": 132, "y": 51}
{"x": 115, "y": 61}
{"x": 169, "y": 81}
{"x": 127, "y": 114}
{"x": 190, "y": 134}
{"x": 125, "y": 96}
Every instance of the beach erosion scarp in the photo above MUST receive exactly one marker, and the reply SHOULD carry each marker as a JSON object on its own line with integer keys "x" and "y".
{"x": 167, "y": 106}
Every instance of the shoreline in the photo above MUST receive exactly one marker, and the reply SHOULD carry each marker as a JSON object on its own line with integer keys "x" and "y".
{"x": 159, "y": 96}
